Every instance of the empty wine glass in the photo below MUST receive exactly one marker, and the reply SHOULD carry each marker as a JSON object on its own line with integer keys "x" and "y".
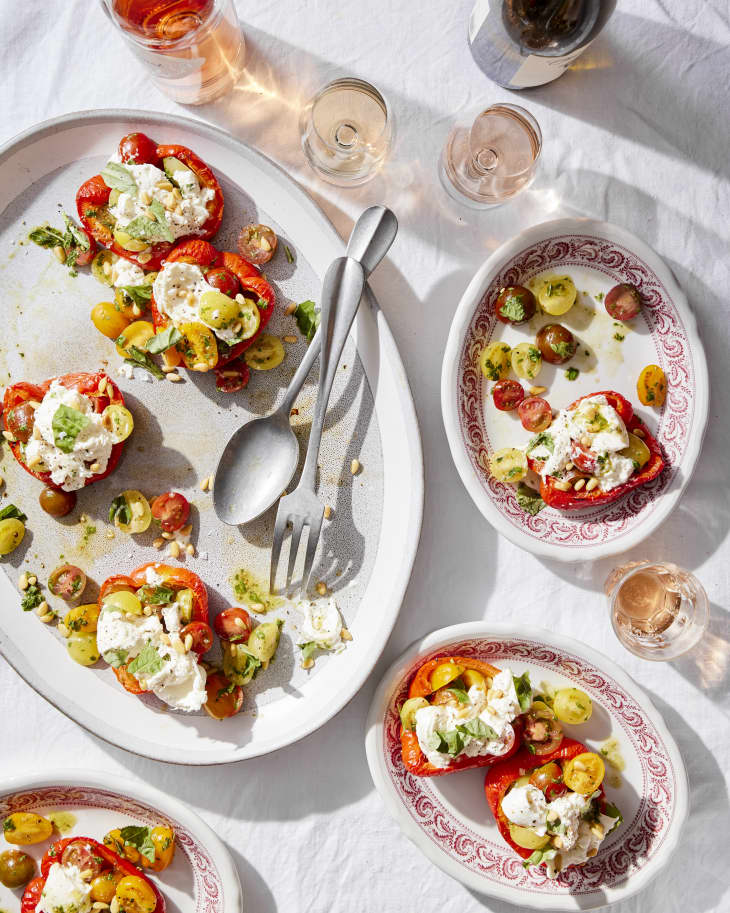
{"x": 346, "y": 132}
{"x": 491, "y": 159}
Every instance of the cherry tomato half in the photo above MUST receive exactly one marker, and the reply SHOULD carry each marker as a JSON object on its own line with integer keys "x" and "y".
{"x": 507, "y": 395}
{"x": 515, "y": 304}
{"x": 21, "y": 419}
{"x": 556, "y": 343}
{"x": 224, "y": 280}
{"x": 202, "y": 635}
{"x": 234, "y": 624}
{"x": 84, "y": 257}
{"x": 542, "y": 734}
{"x": 224, "y": 698}
{"x": 171, "y": 510}
{"x": 232, "y": 377}
{"x": 137, "y": 148}
{"x": 67, "y": 582}
{"x": 549, "y": 779}
{"x": 257, "y": 243}
{"x": 623, "y": 302}
{"x": 81, "y": 854}
{"x": 583, "y": 458}
{"x": 535, "y": 413}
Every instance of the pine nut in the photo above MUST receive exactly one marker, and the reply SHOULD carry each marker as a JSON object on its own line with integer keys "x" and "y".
{"x": 63, "y": 630}
{"x": 327, "y": 512}
{"x": 165, "y": 185}
{"x": 173, "y": 550}
{"x": 190, "y": 548}
{"x": 159, "y": 542}
{"x": 240, "y": 299}
{"x": 355, "y": 467}
{"x": 290, "y": 308}
{"x": 579, "y": 484}
{"x": 204, "y": 484}
{"x": 177, "y": 193}
{"x": 145, "y": 198}
{"x": 107, "y": 268}
{"x": 179, "y": 646}
{"x": 568, "y": 467}
{"x": 136, "y": 310}
{"x": 114, "y": 905}
{"x": 591, "y": 484}
{"x": 239, "y": 622}
{"x": 236, "y": 328}
{"x": 32, "y": 579}
{"x": 144, "y": 257}
{"x": 86, "y": 874}
{"x": 47, "y": 618}
{"x": 200, "y": 366}
{"x": 307, "y": 663}
{"x": 59, "y": 253}
{"x": 345, "y": 634}
{"x": 536, "y": 391}
{"x": 291, "y": 339}
{"x": 9, "y": 436}
{"x": 147, "y": 610}
{"x": 638, "y": 432}
{"x": 174, "y": 377}
{"x": 23, "y": 582}
{"x": 210, "y": 483}
{"x": 188, "y": 642}
{"x": 165, "y": 639}
{"x": 257, "y": 607}
{"x": 95, "y": 467}
{"x": 186, "y": 530}
{"x": 168, "y": 536}
{"x": 321, "y": 588}
{"x": 562, "y": 486}
{"x": 110, "y": 534}
{"x": 102, "y": 385}
{"x": 99, "y": 905}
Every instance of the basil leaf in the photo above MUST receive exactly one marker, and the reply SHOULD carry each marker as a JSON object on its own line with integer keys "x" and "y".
{"x": 524, "y": 690}
{"x": 140, "y": 294}
{"x": 148, "y": 662}
{"x": 135, "y": 356}
{"x": 163, "y": 340}
{"x": 146, "y": 229}
{"x": 433, "y": 743}
{"x": 156, "y": 595}
{"x": 534, "y": 859}
{"x": 119, "y": 508}
{"x": 478, "y": 729}
{"x": 119, "y": 178}
{"x": 308, "y": 649}
{"x": 74, "y": 235}
{"x": 307, "y": 319}
{"x": 45, "y": 236}
{"x": 66, "y": 425}
{"x": 159, "y": 210}
{"x": 529, "y": 500}
{"x": 141, "y": 838}
{"x": 11, "y": 512}
{"x": 461, "y": 694}
{"x": 115, "y": 658}
{"x": 454, "y": 740}
{"x": 543, "y": 439}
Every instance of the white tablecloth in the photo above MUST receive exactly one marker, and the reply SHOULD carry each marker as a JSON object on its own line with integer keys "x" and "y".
{"x": 637, "y": 134}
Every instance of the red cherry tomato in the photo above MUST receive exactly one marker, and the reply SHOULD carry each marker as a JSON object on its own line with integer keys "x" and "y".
{"x": 21, "y": 420}
{"x": 549, "y": 779}
{"x": 137, "y": 149}
{"x": 583, "y": 458}
{"x": 171, "y": 510}
{"x": 623, "y": 302}
{"x": 233, "y": 624}
{"x": 542, "y": 735}
{"x": 84, "y": 257}
{"x": 507, "y": 395}
{"x": 202, "y": 635}
{"x": 224, "y": 280}
{"x": 81, "y": 854}
{"x": 67, "y": 582}
{"x": 224, "y": 698}
{"x": 535, "y": 413}
{"x": 232, "y": 377}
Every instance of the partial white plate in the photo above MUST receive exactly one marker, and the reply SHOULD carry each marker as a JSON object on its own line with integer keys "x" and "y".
{"x": 366, "y": 552}
{"x": 597, "y": 255}
{"x": 201, "y": 877}
{"x": 448, "y": 817}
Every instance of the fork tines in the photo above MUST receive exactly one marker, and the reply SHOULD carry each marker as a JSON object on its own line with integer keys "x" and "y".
{"x": 311, "y": 519}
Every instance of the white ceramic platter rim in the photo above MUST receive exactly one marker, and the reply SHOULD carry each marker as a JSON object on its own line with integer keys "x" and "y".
{"x": 221, "y": 887}
{"x": 437, "y": 642}
{"x": 303, "y": 221}
{"x": 450, "y": 378}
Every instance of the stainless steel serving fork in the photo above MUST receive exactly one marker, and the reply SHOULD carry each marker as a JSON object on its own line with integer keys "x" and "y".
{"x": 342, "y": 289}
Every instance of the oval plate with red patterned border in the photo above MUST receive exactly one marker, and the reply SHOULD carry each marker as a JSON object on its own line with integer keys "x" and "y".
{"x": 610, "y": 356}
{"x": 448, "y": 817}
{"x": 201, "y": 877}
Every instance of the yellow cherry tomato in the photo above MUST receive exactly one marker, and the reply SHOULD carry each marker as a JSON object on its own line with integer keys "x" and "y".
{"x": 104, "y": 887}
{"x": 98, "y": 264}
{"x": 527, "y": 838}
{"x": 12, "y": 532}
{"x": 556, "y": 294}
{"x": 652, "y": 386}
{"x": 584, "y": 773}
{"x": 164, "y": 841}
{"x": 637, "y": 451}
{"x": 266, "y": 353}
{"x": 199, "y": 347}
{"x": 83, "y": 618}
{"x": 571, "y": 705}
{"x": 135, "y": 334}
{"x": 122, "y": 601}
{"x": 108, "y": 320}
{"x": 526, "y": 360}
{"x": 472, "y": 677}
{"x": 495, "y": 361}
{"x": 134, "y": 895}
{"x": 138, "y": 511}
{"x": 82, "y": 648}
{"x": 127, "y": 241}
{"x": 250, "y": 318}
{"x": 508, "y": 464}
{"x": 23, "y": 828}
{"x": 445, "y": 673}
{"x": 118, "y": 421}
{"x": 218, "y": 310}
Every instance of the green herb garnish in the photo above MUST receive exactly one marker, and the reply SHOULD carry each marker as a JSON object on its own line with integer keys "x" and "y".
{"x": 563, "y": 349}
{"x": 120, "y": 511}
{"x": 529, "y": 500}
{"x": 115, "y": 658}
{"x": 163, "y": 340}
{"x": 119, "y": 178}
{"x": 513, "y": 308}
{"x": 11, "y": 512}
{"x": 543, "y": 439}
{"x": 67, "y": 423}
{"x": 524, "y": 690}
{"x": 572, "y": 373}
{"x": 139, "y": 294}
{"x": 308, "y": 649}
{"x": 147, "y": 663}
{"x": 141, "y": 838}
{"x": 135, "y": 356}
{"x": 32, "y": 598}
{"x": 289, "y": 254}
{"x": 307, "y": 319}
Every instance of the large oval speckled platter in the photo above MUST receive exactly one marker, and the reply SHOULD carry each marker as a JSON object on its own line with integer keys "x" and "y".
{"x": 368, "y": 545}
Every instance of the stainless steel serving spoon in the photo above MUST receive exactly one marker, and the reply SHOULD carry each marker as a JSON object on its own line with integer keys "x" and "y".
{"x": 260, "y": 459}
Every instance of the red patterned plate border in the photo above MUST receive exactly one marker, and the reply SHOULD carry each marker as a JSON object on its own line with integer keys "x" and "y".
{"x": 629, "y": 857}
{"x": 209, "y": 891}
{"x": 680, "y": 423}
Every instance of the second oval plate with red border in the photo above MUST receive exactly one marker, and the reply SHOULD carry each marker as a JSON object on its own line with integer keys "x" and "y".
{"x": 448, "y": 817}
{"x": 610, "y": 356}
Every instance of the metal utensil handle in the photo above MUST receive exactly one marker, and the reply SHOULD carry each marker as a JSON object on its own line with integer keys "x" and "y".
{"x": 302, "y": 372}
{"x": 342, "y": 289}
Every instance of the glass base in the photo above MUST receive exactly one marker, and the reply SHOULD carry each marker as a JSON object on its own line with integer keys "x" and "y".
{"x": 453, "y": 191}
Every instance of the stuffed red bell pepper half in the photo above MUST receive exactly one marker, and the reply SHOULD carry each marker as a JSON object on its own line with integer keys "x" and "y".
{"x": 79, "y": 874}
{"x": 152, "y": 629}
{"x": 147, "y": 198}
{"x": 551, "y": 808}
{"x": 215, "y": 300}
{"x": 461, "y": 713}
{"x": 594, "y": 452}
{"x": 68, "y": 431}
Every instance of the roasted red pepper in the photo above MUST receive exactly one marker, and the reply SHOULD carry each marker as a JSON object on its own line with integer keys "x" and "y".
{"x": 251, "y": 283}
{"x": 109, "y": 860}
{"x": 502, "y": 775}
{"x": 413, "y": 758}
{"x": 93, "y": 196}
{"x": 179, "y": 578}
{"x": 573, "y": 500}
{"x": 88, "y": 384}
